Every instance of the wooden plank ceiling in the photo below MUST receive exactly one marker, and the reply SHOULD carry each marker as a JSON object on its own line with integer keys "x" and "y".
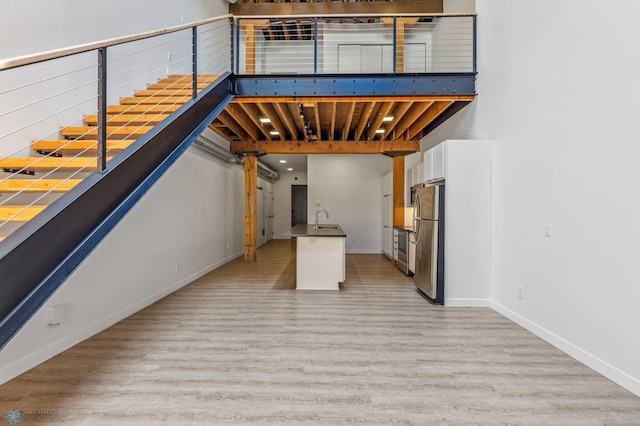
{"x": 330, "y": 124}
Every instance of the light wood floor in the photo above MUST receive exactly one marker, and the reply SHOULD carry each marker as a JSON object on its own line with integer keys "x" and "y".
{"x": 240, "y": 346}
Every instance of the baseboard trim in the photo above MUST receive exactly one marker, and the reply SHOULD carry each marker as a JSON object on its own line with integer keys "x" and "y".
{"x": 467, "y": 303}
{"x": 30, "y": 361}
{"x": 612, "y": 373}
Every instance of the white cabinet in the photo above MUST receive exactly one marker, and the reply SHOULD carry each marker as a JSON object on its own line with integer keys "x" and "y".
{"x": 412, "y": 252}
{"x": 427, "y": 166}
{"x": 438, "y": 163}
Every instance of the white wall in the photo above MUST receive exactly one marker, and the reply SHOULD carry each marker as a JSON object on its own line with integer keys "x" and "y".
{"x": 348, "y": 187}
{"x": 190, "y": 222}
{"x": 556, "y": 98}
{"x": 73, "y": 22}
{"x": 282, "y": 200}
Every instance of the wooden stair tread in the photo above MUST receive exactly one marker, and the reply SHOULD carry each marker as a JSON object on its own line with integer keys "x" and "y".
{"x": 49, "y": 163}
{"x": 187, "y": 85}
{"x": 142, "y": 109}
{"x": 163, "y": 92}
{"x": 155, "y": 100}
{"x": 126, "y": 119}
{"x": 90, "y": 132}
{"x": 79, "y": 145}
{"x": 38, "y": 185}
{"x": 187, "y": 78}
{"x": 19, "y": 213}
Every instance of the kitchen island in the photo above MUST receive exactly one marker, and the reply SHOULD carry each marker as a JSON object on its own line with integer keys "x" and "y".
{"x": 320, "y": 256}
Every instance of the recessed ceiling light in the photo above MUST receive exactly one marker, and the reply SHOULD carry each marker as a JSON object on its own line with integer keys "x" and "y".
{"x": 283, "y": 161}
{"x": 274, "y": 133}
{"x": 289, "y": 169}
{"x": 380, "y": 131}
{"x": 387, "y": 118}
{"x": 265, "y": 120}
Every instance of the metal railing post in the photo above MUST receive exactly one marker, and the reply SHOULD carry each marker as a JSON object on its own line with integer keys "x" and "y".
{"x": 315, "y": 45}
{"x": 102, "y": 110}
{"x": 194, "y": 59}
{"x": 238, "y": 26}
{"x": 232, "y": 52}
{"x": 395, "y": 44}
{"x": 475, "y": 45}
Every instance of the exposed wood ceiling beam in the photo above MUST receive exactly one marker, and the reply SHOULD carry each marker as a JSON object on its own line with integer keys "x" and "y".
{"x": 254, "y": 114}
{"x": 398, "y": 112}
{"x": 332, "y": 128}
{"x": 431, "y": 114}
{"x": 364, "y": 119}
{"x": 347, "y": 123}
{"x": 240, "y": 116}
{"x": 410, "y": 117}
{"x": 326, "y": 147}
{"x": 269, "y": 111}
{"x": 228, "y": 121}
{"x": 316, "y": 109}
{"x": 383, "y": 111}
{"x": 285, "y": 114}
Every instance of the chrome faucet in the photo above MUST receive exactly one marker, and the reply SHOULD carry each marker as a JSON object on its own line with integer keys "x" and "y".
{"x": 321, "y": 210}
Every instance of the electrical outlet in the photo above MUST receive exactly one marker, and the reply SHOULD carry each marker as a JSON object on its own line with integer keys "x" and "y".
{"x": 353, "y": 241}
{"x": 520, "y": 292}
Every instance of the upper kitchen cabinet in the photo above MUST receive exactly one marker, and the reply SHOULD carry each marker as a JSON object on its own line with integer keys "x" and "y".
{"x": 434, "y": 163}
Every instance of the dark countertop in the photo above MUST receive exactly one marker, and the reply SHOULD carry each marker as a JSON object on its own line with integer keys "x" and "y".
{"x": 407, "y": 228}
{"x": 325, "y": 230}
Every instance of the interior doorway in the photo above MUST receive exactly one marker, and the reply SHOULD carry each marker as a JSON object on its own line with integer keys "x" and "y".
{"x": 298, "y": 205}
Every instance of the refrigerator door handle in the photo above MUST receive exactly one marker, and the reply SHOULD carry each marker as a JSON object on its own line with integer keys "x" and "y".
{"x": 416, "y": 216}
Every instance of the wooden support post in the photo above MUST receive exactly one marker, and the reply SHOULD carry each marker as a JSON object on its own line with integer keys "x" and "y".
{"x": 398, "y": 191}
{"x": 250, "y": 202}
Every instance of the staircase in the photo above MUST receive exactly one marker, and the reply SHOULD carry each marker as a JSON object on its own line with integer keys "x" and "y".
{"x": 29, "y": 184}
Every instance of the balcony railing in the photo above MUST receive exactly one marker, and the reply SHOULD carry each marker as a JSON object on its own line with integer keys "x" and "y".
{"x": 44, "y": 96}
{"x": 58, "y": 122}
{"x": 355, "y": 44}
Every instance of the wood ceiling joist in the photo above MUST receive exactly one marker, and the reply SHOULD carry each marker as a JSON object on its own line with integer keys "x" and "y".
{"x": 228, "y": 121}
{"x": 269, "y": 110}
{"x": 347, "y": 125}
{"x": 316, "y": 108}
{"x": 383, "y": 111}
{"x": 398, "y": 112}
{"x": 410, "y": 117}
{"x": 254, "y": 114}
{"x": 431, "y": 114}
{"x": 285, "y": 114}
{"x": 364, "y": 119}
{"x": 240, "y": 116}
{"x": 332, "y": 128}
{"x": 326, "y": 147}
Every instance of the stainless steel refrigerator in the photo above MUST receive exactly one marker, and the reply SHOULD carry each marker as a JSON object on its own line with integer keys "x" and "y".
{"x": 429, "y": 225}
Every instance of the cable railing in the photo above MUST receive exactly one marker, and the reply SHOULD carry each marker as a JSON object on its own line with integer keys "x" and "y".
{"x": 373, "y": 44}
{"x": 65, "y": 113}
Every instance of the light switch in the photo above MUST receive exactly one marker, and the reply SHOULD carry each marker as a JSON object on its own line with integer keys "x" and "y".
{"x": 547, "y": 229}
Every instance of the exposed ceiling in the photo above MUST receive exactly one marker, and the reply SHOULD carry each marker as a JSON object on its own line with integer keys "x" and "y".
{"x": 297, "y": 125}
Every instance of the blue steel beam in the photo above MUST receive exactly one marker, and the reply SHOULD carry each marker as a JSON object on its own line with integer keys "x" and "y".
{"x": 356, "y": 85}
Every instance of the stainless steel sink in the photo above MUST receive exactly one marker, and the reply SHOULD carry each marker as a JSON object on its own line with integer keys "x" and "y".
{"x": 328, "y": 227}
